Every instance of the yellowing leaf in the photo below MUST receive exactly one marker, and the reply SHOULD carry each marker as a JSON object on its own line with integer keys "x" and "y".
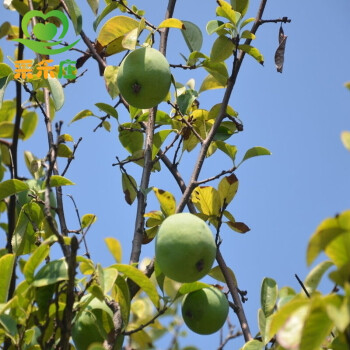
{"x": 227, "y": 188}
{"x": 172, "y": 23}
{"x": 252, "y": 51}
{"x": 225, "y": 10}
{"x": 210, "y": 83}
{"x": 82, "y": 114}
{"x": 110, "y": 75}
{"x": 113, "y": 31}
{"x": 166, "y": 200}
{"x": 345, "y": 138}
{"x": 57, "y": 180}
{"x": 207, "y": 200}
{"x": 88, "y": 220}
{"x": 6, "y": 268}
{"x": 115, "y": 248}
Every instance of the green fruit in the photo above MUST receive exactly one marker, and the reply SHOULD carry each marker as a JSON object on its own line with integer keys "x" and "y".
{"x": 92, "y": 325}
{"x": 185, "y": 247}
{"x": 205, "y": 311}
{"x": 144, "y": 78}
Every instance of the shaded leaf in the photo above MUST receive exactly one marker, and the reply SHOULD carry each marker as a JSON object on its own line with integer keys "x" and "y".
{"x": 57, "y": 93}
{"x": 222, "y": 49}
{"x": 239, "y": 227}
{"x": 53, "y": 272}
{"x": 75, "y": 15}
{"x": 108, "y": 9}
{"x": 34, "y": 261}
{"x": 193, "y": 36}
{"x": 93, "y": 5}
{"x": 190, "y": 287}
{"x": 158, "y": 140}
{"x": 29, "y": 124}
{"x": 279, "y": 55}
{"x": 185, "y": 100}
{"x": 129, "y": 186}
{"x": 107, "y": 109}
{"x": 268, "y": 295}
{"x": 240, "y": 6}
{"x": 217, "y": 274}
{"x": 64, "y": 151}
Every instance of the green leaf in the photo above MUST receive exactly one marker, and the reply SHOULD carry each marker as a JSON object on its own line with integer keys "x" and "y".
{"x": 110, "y": 74}
{"x": 11, "y": 187}
{"x": 222, "y": 49}
{"x": 316, "y": 328}
{"x": 141, "y": 280}
{"x": 75, "y": 15}
{"x": 225, "y": 10}
{"x": 19, "y": 238}
{"x": 193, "y": 36}
{"x": 7, "y": 130}
{"x": 56, "y": 92}
{"x": 247, "y": 21}
{"x": 5, "y": 70}
{"x": 93, "y": 5}
{"x": 207, "y": 200}
{"x": 112, "y": 33}
{"x": 53, "y": 272}
{"x": 227, "y": 188}
{"x": 3, "y": 84}
{"x": 313, "y": 279}
{"x": 122, "y": 297}
{"x": 264, "y": 324}
{"x": 160, "y": 277}
{"x": 210, "y": 83}
{"x": 268, "y": 296}
{"x": 129, "y": 186}
{"x": 190, "y": 287}
{"x": 254, "y": 152}
{"x": 131, "y": 140}
{"x": 34, "y": 261}
{"x": 64, "y": 151}
{"x": 109, "y": 277}
{"x": 6, "y": 267}
{"x": 217, "y": 274}
{"x": 326, "y": 232}
{"x": 231, "y": 151}
{"x": 5, "y": 28}
{"x": 218, "y": 70}
{"x": 166, "y": 200}
{"x": 108, "y": 9}
{"x": 185, "y": 100}
{"x": 107, "y": 109}
{"x": 57, "y": 180}
{"x": 172, "y": 23}
{"x": 240, "y": 6}
{"x": 248, "y": 35}
{"x": 88, "y": 220}
{"x": 345, "y": 138}
{"x": 338, "y": 250}
{"x": 213, "y": 26}
{"x": 158, "y": 140}
{"x": 252, "y": 51}
{"x": 115, "y": 248}
{"x": 29, "y": 124}
{"x": 82, "y": 114}
{"x": 7, "y": 111}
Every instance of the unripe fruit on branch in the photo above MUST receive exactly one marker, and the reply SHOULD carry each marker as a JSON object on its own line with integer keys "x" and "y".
{"x": 205, "y": 311}
{"x": 185, "y": 247}
{"x": 144, "y": 78}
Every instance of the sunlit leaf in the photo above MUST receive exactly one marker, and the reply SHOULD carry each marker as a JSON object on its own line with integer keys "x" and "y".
{"x": 166, "y": 200}
{"x": 158, "y": 139}
{"x": 105, "y": 107}
{"x": 131, "y": 140}
{"x": 64, "y": 151}
{"x": 88, "y": 220}
{"x": 213, "y": 26}
{"x": 225, "y": 10}
{"x": 230, "y": 150}
{"x": 172, "y": 23}
{"x": 207, "y": 200}
{"x": 93, "y": 5}
{"x": 57, "y": 180}
{"x": 345, "y": 138}
{"x": 6, "y": 267}
{"x": 256, "y": 151}
{"x": 34, "y": 261}
{"x": 222, "y": 49}
{"x": 141, "y": 280}
{"x": 122, "y": 297}
{"x": 110, "y": 75}
{"x": 190, "y": 287}
{"x": 11, "y": 187}
{"x": 313, "y": 279}
{"x": 82, "y": 114}
{"x": 217, "y": 274}
{"x": 227, "y": 188}
{"x": 210, "y": 83}
{"x": 252, "y": 51}
{"x": 253, "y": 345}
{"x": 115, "y": 248}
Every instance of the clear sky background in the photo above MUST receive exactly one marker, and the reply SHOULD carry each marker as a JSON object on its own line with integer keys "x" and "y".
{"x": 297, "y": 115}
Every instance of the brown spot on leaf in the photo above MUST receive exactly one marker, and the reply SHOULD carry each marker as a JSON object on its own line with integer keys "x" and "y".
{"x": 160, "y": 191}
{"x": 231, "y": 179}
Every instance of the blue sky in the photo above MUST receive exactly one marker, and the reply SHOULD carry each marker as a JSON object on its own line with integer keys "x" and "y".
{"x": 298, "y": 115}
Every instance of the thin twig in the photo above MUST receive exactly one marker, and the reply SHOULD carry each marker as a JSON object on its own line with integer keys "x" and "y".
{"x": 70, "y": 159}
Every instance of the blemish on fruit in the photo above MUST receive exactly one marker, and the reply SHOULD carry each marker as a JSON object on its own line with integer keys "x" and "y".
{"x": 188, "y": 313}
{"x": 200, "y": 265}
{"x": 136, "y": 87}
